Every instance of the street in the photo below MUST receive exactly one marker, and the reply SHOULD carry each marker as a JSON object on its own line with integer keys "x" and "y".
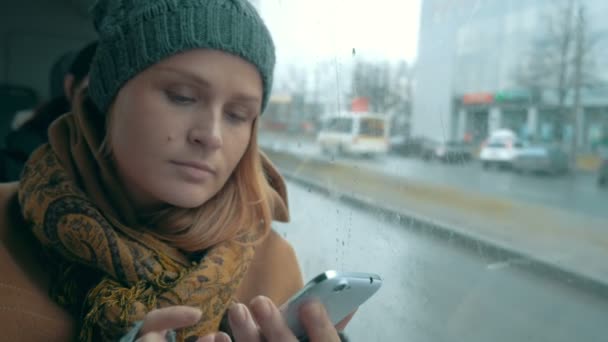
{"x": 577, "y": 192}
{"x": 434, "y": 289}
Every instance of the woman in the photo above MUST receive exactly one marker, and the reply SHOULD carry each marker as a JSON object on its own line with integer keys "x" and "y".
{"x": 152, "y": 194}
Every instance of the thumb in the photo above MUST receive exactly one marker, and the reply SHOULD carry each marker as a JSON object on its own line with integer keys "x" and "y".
{"x": 172, "y": 317}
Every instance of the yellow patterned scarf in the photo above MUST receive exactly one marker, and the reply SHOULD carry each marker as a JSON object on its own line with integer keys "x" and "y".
{"x": 110, "y": 272}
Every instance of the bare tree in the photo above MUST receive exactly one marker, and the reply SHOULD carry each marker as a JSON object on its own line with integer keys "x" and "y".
{"x": 386, "y": 86}
{"x": 561, "y": 61}
{"x": 584, "y": 74}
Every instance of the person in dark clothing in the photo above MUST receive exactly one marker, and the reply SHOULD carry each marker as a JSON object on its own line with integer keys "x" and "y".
{"x": 20, "y": 143}
{"x": 78, "y": 74}
{"x": 59, "y": 72}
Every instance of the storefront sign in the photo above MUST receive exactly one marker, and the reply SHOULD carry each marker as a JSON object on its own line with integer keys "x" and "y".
{"x": 517, "y": 95}
{"x": 477, "y": 98}
{"x": 360, "y": 105}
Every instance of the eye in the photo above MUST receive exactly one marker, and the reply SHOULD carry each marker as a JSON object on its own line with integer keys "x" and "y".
{"x": 179, "y": 99}
{"x": 236, "y": 117}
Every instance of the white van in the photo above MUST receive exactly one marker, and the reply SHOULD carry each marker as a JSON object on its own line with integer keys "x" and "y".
{"x": 354, "y": 133}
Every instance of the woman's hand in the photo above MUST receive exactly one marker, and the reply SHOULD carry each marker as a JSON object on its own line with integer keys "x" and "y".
{"x": 158, "y": 322}
{"x": 265, "y": 323}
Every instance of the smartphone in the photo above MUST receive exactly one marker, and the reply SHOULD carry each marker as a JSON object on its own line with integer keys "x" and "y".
{"x": 340, "y": 292}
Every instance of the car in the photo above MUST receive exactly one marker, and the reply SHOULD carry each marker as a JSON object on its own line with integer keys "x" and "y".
{"x": 407, "y": 147}
{"x": 428, "y": 149}
{"x": 603, "y": 174}
{"x": 500, "y": 149}
{"x": 454, "y": 152}
{"x": 540, "y": 159}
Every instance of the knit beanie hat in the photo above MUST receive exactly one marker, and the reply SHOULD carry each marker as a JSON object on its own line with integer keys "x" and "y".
{"x": 135, "y": 34}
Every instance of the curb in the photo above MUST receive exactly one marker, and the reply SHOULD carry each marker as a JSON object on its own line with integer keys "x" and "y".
{"x": 419, "y": 223}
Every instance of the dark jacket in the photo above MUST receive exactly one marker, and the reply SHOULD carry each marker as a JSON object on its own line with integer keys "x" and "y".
{"x": 21, "y": 143}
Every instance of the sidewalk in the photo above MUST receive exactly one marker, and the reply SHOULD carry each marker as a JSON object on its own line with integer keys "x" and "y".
{"x": 572, "y": 244}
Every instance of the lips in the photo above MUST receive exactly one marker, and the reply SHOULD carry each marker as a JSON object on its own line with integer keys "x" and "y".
{"x": 194, "y": 170}
{"x": 196, "y": 165}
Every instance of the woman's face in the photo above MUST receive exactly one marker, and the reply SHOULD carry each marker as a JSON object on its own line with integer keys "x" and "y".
{"x": 179, "y": 128}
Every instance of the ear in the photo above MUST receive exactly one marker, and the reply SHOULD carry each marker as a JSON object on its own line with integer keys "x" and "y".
{"x": 68, "y": 81}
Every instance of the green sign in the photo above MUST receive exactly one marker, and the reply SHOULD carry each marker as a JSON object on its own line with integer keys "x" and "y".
{"x": 512, "y": 96}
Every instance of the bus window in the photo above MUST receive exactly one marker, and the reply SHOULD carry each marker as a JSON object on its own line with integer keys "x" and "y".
{"x": 371, "y": 127}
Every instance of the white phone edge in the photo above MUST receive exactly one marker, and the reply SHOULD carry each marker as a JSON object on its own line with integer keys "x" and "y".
{"x": 340, "y": 292}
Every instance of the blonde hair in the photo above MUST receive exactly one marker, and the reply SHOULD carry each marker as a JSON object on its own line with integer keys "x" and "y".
{"x": 241, "y": 207}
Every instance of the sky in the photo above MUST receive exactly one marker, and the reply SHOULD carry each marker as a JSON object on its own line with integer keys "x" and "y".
{"x": 311, "y": 30}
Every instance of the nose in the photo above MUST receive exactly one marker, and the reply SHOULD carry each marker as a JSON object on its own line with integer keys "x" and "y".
{"x": 206, "y": 132}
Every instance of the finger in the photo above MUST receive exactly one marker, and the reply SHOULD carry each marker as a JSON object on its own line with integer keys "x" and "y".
{"x": 242, "y": 325}
{"x": 223, "y": 337}
{"x": 208, "y": 338}
{"x": 219, "y": 337}
{"x": 154, "y": 336}
{"x": 344, "y": 322}
{"x": 173, "y": 317}
{"x": 317, "y": 324}
{"x": 272, "y": 326}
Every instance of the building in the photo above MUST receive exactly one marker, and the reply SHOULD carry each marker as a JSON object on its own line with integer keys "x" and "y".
{"x": 256, "y": 4}
{"x": 468, "y": 55}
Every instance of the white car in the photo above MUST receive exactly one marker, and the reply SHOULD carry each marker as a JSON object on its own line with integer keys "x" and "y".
{"x": 500, "y": 149}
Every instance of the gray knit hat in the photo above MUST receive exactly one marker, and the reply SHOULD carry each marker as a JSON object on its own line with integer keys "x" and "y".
{"x": 135, "y": 34}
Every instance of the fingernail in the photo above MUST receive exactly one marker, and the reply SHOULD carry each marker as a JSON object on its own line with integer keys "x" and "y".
{"x": 237, "y": 314}
{"x": 222, "y": 337}
{"x": 261, "y": 308}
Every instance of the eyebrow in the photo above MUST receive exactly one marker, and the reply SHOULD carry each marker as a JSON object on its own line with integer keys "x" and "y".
{"x": 240, "y": 97}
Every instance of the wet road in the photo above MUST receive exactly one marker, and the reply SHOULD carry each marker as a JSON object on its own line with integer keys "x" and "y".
{"x": 577, "y": 192}
{"x": 434, "y": 289}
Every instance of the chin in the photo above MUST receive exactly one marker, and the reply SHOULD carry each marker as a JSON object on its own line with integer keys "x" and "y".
{"x": 187, "y": 199}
